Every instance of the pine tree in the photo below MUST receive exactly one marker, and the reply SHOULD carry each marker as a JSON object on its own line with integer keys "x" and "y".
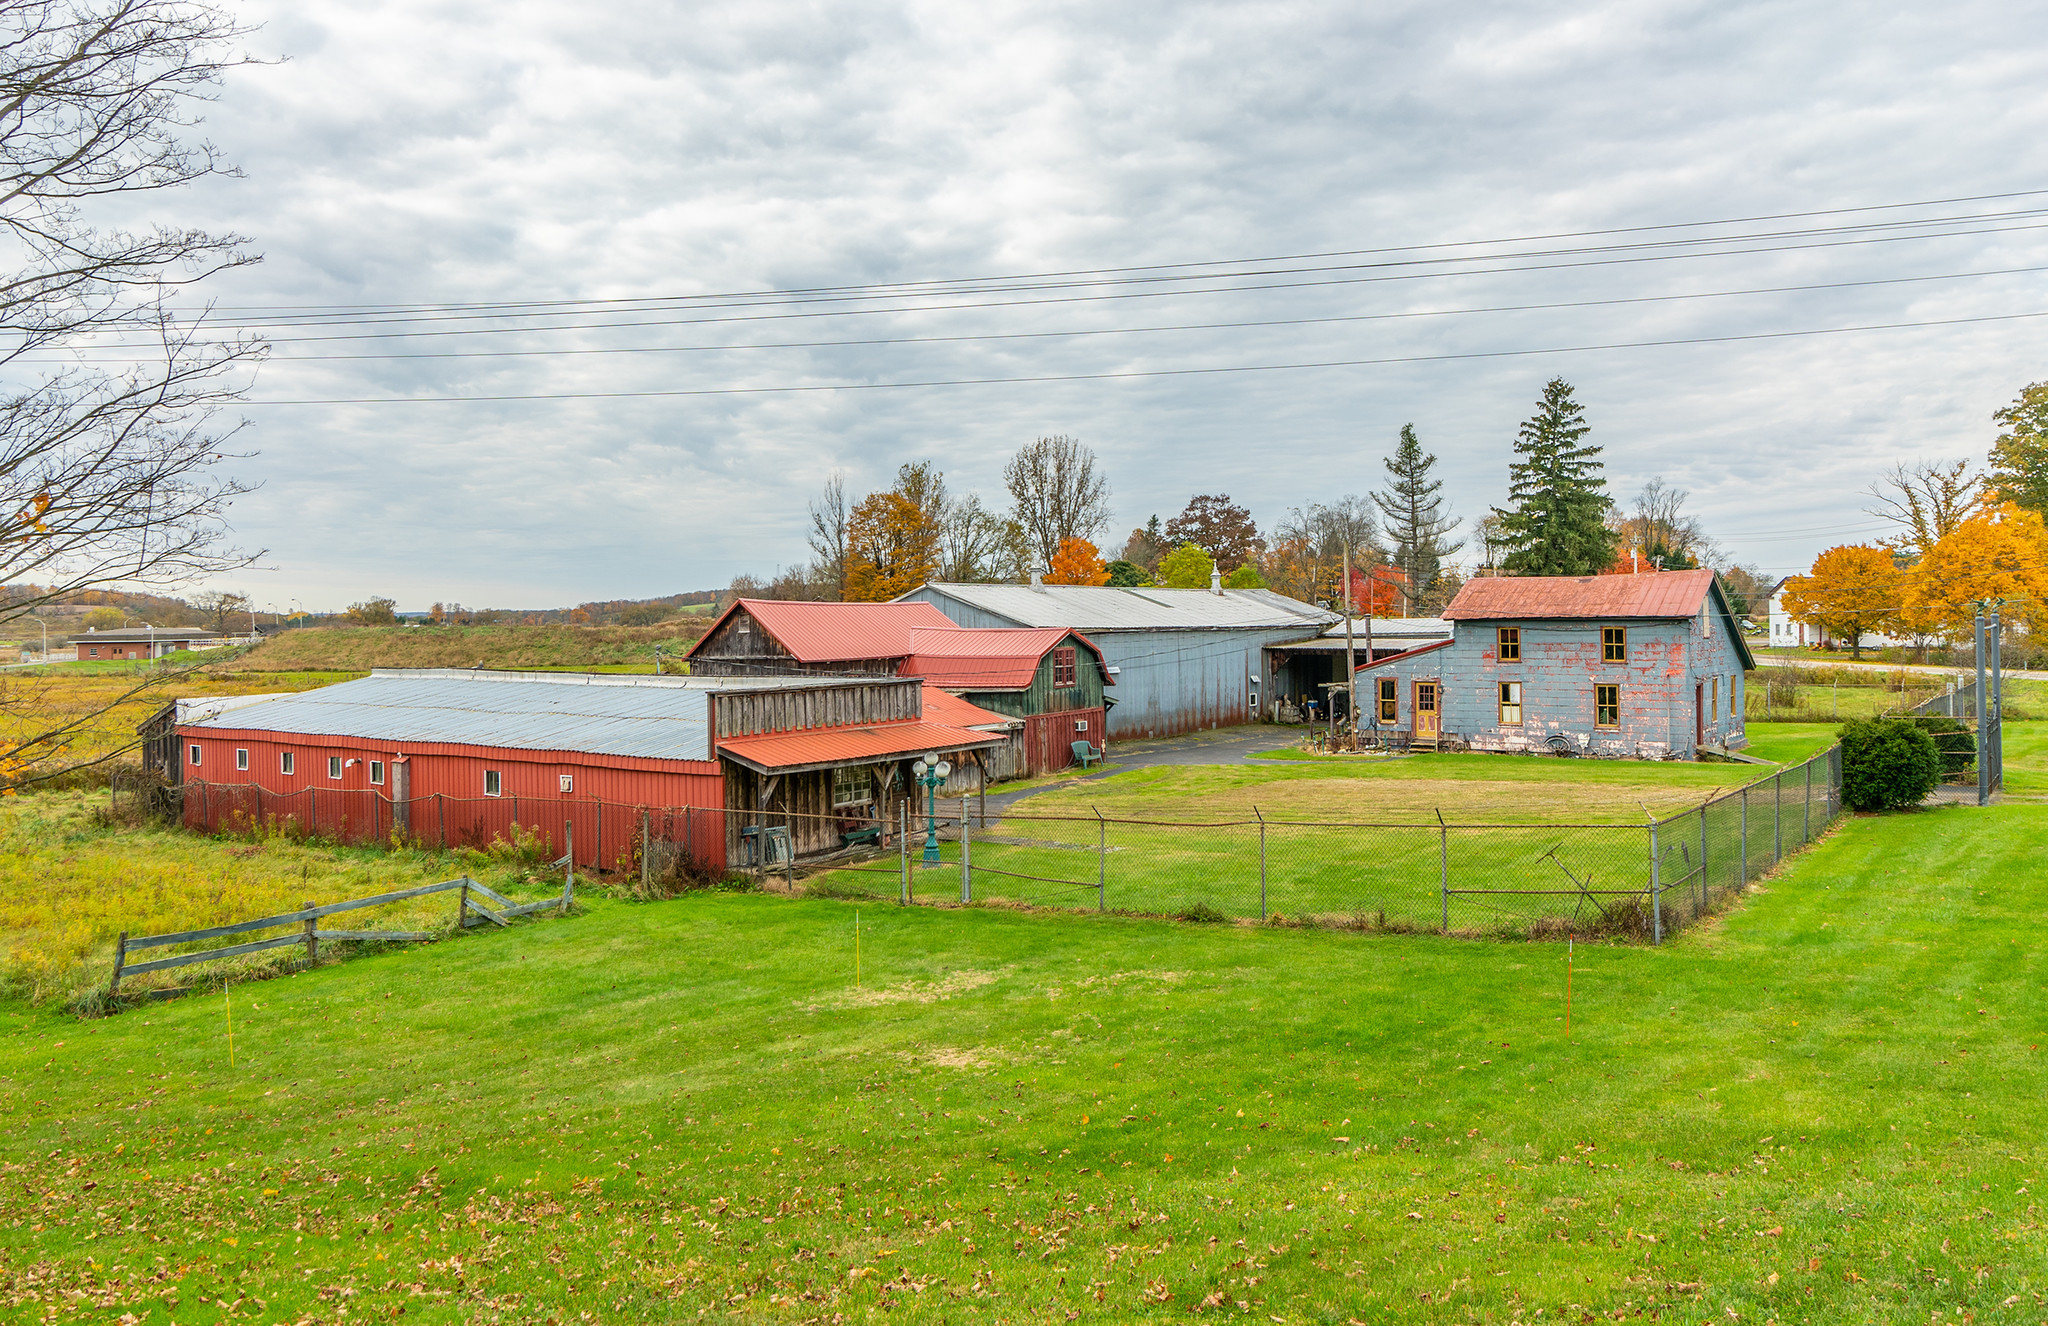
{"x": 1415, "y": 519}
{"x": 1555, "y": 522}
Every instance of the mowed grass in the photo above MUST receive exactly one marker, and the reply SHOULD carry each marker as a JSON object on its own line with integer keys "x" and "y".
{"x": 1828, "y": 1107}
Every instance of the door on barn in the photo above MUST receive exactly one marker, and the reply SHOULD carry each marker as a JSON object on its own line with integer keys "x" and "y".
{"x": 1699, "y": 712}
{"x": 1428, "y": 716}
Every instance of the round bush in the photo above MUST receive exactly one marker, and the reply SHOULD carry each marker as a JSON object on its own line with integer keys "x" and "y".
{"x": 1887, "y": 763}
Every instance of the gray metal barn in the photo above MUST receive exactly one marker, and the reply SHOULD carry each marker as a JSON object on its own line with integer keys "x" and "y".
{"x": 1183, "y": 659}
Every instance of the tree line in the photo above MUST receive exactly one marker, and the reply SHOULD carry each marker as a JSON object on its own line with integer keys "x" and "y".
{"x": 1966, "y": 538}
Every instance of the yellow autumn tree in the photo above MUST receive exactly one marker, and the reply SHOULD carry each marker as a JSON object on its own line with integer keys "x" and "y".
{"x": 891, "y": 548}
{"x": 1077, "y": 562}
{"x": 1851, "y": 591}
{"x": 2000, "y": 553}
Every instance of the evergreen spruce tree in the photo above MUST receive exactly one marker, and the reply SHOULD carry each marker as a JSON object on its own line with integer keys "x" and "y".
{"x": 1555, "y": 522}
{"x": 1416, "y": 519}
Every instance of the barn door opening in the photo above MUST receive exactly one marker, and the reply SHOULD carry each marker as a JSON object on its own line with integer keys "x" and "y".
{"x": 1699, "y": 712}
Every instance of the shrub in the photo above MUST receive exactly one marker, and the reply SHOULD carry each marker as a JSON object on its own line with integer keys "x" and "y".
{"x": 1887, "y": 763}
{"x": 1203, "y": 914}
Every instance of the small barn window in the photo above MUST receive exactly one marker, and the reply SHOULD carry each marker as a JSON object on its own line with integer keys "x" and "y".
{"x": 334, "y": 766}
{"x": 192, "y": 754}
{"x": 1607, "y": 706}
{"x": 1390, "y": 700}
{"x": 567, "y": 782}
{"x": 1731, "y": 698}
{"x": 1510, "y": 644}
{"x": 494, "y": 783}
{"x": 1614, "y": 644}
{"x": 287, "y": 762}
{"x": 1062, "y": 668}
{"x": 242, "y": 759}
{"x": 1511, "y": 704}
{"x": 852, "y": 787}
{"x": 377, "y": 772}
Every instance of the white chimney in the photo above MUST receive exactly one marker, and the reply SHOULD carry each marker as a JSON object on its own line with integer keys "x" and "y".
{"x": 1037, "y": 579}
{"x": 1215, "y": 582}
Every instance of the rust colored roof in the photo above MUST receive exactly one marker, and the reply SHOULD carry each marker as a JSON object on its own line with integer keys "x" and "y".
{"x": 1364, "y": 666}
{"x": 952, "y": 711}
{"x": 987, "y": 658}
{"x": 837, "y": 632}
{"x": 1652, "y": 594}
{"x": 824, "y": 747}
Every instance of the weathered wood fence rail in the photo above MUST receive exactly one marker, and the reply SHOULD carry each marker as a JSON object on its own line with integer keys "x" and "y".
{"x": 469, "y": 912}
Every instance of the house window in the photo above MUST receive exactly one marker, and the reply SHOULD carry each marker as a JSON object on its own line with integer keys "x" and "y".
{"x": 377, "y": 772}
{"x": 192, "y": 754}
{"x": 1080, "y": 725}
{"x": 567, "y": 782}
{"x": 1614, "y": 644}
{"x": 852, "y": 787}
{"x": 1062, "y": 668}
{"x": 1731, "y": 697}
{"x": 1390, "y": 700}
{"x": 494, "y": 783}
{"x": 1511, "y": 704}
{"x": 287, "y": 763}
{"x": 1713, "y": 698}
{"x": 1607, "y": 706}
{"x": 334, "y": 766}
{"x": 1510, "y": 644}
{"x": 242, "y": 759}
{"x": 92, "y": 651}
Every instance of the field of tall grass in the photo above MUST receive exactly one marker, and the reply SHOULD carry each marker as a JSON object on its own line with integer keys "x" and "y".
{"x": 360, "y": 648}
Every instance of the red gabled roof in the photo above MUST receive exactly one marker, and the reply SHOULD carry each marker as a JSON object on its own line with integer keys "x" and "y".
{"x": 1652, "y": 594}
{"x": 943, "y": 707}
{"x": 988, "y": 658}
{"x": 837, "y": 632}
{"x": 822, "y": 747}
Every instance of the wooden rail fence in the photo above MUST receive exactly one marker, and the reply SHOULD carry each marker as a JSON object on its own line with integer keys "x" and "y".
{"x": 469, "y": 912}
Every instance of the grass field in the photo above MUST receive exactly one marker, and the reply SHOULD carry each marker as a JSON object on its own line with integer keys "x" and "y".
{"x": 358, "y": 649}
{"x": 1828, "y": 1107}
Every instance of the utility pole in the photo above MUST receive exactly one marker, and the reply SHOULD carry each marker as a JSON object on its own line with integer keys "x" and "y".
{"x": 1350, "y": 658}
{"x": 1983, "y": 721}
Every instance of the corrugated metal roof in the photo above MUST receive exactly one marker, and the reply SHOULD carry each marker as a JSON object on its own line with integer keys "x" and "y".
{"x": 1115, "y": 608}
{"x": 649, "y": 717}
{"x": 987, "y": 658}
{"x": 853, "y": 745}
{"x": 952, "y": 711}
{"x": 1653, "y": 594}
{"x": 836, "y": 632}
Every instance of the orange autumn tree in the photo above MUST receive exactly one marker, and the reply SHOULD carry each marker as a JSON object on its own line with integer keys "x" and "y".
{"x": 891, "y": 548}
{"x": 1999, "y": 553}
{"x": 1851, "y": 591}
{"x": 1077, "y": 562}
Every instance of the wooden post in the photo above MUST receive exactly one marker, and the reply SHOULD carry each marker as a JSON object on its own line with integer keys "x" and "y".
{"x": 462, "y": 906}
{"x": 643, "y": 851}
{"x": 441, "y": 817}
{"x": 120, "y": 961}
{"x": 569, "y": 854}
{"x": 312, "y": 934}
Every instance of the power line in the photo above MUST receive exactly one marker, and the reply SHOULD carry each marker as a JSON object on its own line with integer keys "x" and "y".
{"x": 1132, "y": 374}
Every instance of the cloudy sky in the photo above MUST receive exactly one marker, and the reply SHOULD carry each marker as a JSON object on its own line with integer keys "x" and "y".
{"x": 640, "y": 179}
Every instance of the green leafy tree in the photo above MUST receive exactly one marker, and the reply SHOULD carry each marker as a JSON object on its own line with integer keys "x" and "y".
{"x": 1887, "y": 763}
{"x": 1245, "y": 577}
{"x": 1556, "y": 523}
{"x": 1186, "y": 567}
{"x": 1128, "y": 574}
{"x": 2019, "y": 459}
{"x": 1415, "y": 516}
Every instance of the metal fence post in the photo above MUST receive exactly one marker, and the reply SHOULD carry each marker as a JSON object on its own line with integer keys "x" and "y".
{"x": 1777, "y": 817}
{"x": 903, "y": 853}
{"x": 1101, "y": 861}
{"x": 966, "y": 857}
{"x": 1656, "y": 890}
{"x": 1806, "y": 806}
{"x": 441, "y": 817}
{"x": 1743, "y": 882}
{"x": 1262, "y": 861}
{"x": 1703, "y": 856}
{"x": 1443, "y": 867}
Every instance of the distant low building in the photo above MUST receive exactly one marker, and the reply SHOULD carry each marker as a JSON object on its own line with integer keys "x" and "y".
{"x": 1789, "y": 632}
{"x": 141, "y": 642}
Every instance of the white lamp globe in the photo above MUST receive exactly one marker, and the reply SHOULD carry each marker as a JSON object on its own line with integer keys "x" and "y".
{"x": 917, "y": 769}
{"x": 944, "y": 768}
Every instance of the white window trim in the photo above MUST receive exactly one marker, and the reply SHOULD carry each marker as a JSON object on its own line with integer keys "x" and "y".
{"x": 566, "y": 782}
{"x": 494, "y": 782}
{"x": 334, "y": 766}
{"x": 192, "y": 754}
{"x": 377, "y": 772}
{"x": 288, "y": 763}
{"x": 241, "y": 760}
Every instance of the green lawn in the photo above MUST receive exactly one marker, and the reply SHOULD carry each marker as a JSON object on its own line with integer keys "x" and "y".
{"x": 1828, "y": 1107}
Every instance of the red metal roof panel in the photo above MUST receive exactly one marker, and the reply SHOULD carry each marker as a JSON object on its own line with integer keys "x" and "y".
{"x": 996, "y": 658}
{"x": 1652, "y": 594}
{"x": 835, "y": 632}
{"x": 952, "y": 711}
{"x": 851, "y": 745}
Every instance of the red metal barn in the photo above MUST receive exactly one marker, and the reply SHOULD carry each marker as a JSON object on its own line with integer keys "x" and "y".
{"x": 1050, "y": 679}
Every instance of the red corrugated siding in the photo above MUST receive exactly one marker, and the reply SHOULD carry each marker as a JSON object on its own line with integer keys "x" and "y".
{"x": 1049, "y": 739}
{"x": 530, "y": 782}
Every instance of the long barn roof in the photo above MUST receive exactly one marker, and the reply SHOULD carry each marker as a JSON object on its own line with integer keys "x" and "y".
{"x": 1097, "y": 608}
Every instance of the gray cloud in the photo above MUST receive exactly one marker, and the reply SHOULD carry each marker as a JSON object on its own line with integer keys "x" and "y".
{"x": 460, "y": 152}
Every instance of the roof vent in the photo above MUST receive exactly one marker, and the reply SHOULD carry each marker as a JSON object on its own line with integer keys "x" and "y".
{"x": 1037, "y": 579}
{"x": 1215, "y": 581}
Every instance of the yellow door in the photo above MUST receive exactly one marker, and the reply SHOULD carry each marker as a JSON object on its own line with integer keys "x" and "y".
{"x": 1428, "y": 722}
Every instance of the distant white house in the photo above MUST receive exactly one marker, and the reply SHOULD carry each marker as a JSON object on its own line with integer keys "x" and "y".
{"x": 1788, "y": 632}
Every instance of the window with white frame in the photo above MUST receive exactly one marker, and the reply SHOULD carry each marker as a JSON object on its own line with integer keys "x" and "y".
{"x": 494, "y": 783}
{"x": 377, "y": 772}
{"x": 287, "y": 762}
{"x": 853, "y": 787}
{"x": 241, "y": 759}
{"x": 567, "y": 783}
{"x": 192, "y": 754}
{"x": 334, "y": 766}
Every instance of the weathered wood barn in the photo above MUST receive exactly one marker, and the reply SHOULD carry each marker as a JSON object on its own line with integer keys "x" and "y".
{"x": 1647, "y": 666}
{"x": 458, "y": 756}
{"x": 1051, "y": 679}
{"x": 1181, "y": 659}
